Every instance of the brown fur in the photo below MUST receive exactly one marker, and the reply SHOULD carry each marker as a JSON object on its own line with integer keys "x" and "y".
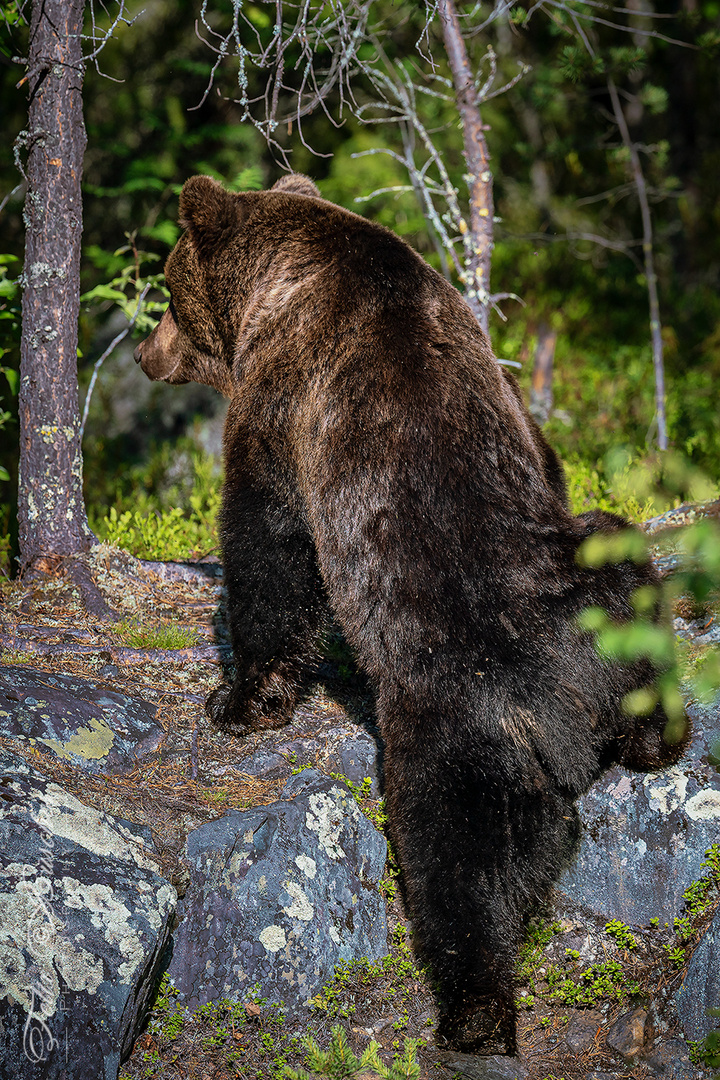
{"x": 382, "y": 468}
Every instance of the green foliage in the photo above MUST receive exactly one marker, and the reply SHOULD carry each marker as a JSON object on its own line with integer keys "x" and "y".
{"x": 339, "y": 1062}
{"x": 707, "y": 1051}
{"x": 568, "y": 982}
{"x": 128, "y": 288}
{"x": 152, "y": 534}
{"x": 11, "y": 14}
{"x": 392, "y": 976}
{"x": 168, "y": 1017}
{"x": 635, "y": 486}
{"x": 9, "y": 340}
{"x": 177, "y": 521}
{"x": 675, "y": 953}
{"x": 360, "y": 792}
{"x": 621, "y": 934}
{"x": 162, "y": 636}
{"x": 598, "y": 982}
{"x": 696, "y": 551}
{"x": 531, "y": 953}
{"x": 701, "y": 894}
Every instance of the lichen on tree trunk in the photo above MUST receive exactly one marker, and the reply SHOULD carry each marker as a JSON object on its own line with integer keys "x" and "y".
{"x": 51, "y": 510}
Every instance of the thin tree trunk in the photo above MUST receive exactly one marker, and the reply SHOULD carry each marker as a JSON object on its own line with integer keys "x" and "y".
{"x": 650, "y": 275}
{"x": 541, "y": 390}
{"x": 51, "y": 511}
{"x": 475, "y": 152}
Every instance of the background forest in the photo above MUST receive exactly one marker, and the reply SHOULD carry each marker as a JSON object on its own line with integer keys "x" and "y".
{"x": 567, "y": 234}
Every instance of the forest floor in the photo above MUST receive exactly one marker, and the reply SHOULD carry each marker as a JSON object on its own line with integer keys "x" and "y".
{"x": 56, "y": 622}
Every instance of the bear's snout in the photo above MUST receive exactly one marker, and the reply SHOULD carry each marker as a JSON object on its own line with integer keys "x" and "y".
{"x": 137, "y": 355}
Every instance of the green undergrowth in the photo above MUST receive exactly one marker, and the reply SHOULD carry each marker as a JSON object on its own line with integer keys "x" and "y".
{"x": 636, "y": 485}
{"x": 627, "y": 974}
{"x": 707, "y": 1051}
{"x": 251, "y": 1036}
{"x": 699, "y": 899}
{"x": 391, "y": 981}
{"x": 167, "y": 508}
{"x": 162, "y": 636}
{"x": 167, "y": 511}
{"x": 570, "y": 982}
{"x": 255, "y": 1039}
{"x": 374, "y": 811}
{"x": 693, "y": 588}
{"x": 339, "y": 1061}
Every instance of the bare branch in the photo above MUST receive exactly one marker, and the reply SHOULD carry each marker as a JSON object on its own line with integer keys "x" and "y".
{"x": 110, "y": 349}
{"x": 100, "y": 37}
{"x": 650, "y": 274}
{"x": 9, "y": 196}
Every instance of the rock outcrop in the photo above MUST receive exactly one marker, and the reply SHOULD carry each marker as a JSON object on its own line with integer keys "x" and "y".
{"x": 73, "y": 719}
{"x": 279, "y": 895}
{"x": 84, "y": 922}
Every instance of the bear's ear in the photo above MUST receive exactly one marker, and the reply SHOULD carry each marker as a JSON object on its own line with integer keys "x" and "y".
{"x": 296, "y": 184}
{"x": 207, "y": 211}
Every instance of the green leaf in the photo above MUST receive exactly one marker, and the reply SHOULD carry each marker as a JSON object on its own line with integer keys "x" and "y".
{"x": 167, "y": 232}
{"x": 104, "y": 292}
{"x": 13, "y": 378}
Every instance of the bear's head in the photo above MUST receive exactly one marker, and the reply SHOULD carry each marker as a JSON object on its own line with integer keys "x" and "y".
{"x": 195, "y": 338}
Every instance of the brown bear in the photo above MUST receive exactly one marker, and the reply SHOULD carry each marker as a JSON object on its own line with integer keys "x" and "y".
{"x": 381, "y": 469}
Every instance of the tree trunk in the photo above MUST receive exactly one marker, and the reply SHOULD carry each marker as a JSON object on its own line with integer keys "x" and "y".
{"x": 51, "y": 511}
{"x": 650, "y": 275}
{"x": 477, "y": 275}
{"x": 541, "y": 391}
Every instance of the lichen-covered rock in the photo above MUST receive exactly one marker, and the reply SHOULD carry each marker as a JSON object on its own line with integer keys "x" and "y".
{"x": 351, "y": 752}
{"x": 84, "y": 921}
{"x": 700, "y": 990}
{"x": 279, "y": 895}
{"x": 355, "y": 755}
{"x": 96, "y": 729}
{"x": 645, "y": 835}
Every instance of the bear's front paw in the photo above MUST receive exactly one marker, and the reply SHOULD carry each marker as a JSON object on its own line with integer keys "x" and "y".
{"x": 268, "y": 703}
{"x": 218, "y": 708}
{"x": 273, "y": 701}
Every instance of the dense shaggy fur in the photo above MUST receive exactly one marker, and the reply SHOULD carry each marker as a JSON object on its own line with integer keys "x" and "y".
{"x": 381, "y": 468}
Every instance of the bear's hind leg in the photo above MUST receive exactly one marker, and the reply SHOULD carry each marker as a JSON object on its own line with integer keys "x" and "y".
{"x": 276, "y": 608}
{"x": 480, "y": 840}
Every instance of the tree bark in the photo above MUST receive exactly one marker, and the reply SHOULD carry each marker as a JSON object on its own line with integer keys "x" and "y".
{"x": 477, "y": 275}
{"x": 51, "y": 510}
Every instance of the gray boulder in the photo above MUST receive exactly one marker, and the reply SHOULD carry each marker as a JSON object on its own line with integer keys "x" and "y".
{"x": 76, "y": 720}
{"x": 84, "y": 922}
{"x": 645, "y": 834}
{"x": 279, "y": 895}
{"x": 671, "y": 1061}
{"x": 353, "y": 752}
{"x": 700, "y": 990}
